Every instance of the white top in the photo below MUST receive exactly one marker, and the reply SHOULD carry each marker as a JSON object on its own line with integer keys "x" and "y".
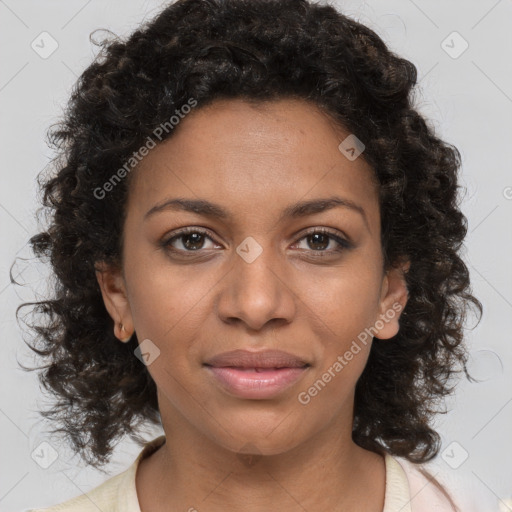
{"x": 119, "y": 494}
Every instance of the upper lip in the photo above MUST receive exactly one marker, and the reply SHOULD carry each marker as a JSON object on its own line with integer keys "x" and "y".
{"x": 264, "y": 359}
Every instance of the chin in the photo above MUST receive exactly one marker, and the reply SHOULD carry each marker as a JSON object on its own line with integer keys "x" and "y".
{"x": 269, "y": 438}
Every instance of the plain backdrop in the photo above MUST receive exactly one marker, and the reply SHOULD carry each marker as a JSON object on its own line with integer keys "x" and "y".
{"x": 462, "y": 50}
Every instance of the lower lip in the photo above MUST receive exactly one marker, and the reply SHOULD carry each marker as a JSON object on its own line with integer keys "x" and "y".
{"x": 253, "y": 384}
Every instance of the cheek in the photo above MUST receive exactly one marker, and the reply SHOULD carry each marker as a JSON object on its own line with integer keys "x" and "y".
{"x": 345, "y": 306}
{"x": 344, "y": 301}
{"x": 165, "y": 299}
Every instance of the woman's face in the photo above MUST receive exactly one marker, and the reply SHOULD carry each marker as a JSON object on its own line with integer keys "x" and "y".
{"x": 262, "y": 277}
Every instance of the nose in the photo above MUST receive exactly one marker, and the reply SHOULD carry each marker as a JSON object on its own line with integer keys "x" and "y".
{"x": 257, "y": 292}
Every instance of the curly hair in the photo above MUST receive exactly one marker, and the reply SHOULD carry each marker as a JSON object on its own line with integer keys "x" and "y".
{"x": 257, "y": 50}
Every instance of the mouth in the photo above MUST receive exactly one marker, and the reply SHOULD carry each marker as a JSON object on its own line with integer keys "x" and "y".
{"x": 257, "y": 369}
{"x": 256, "y": 375}
{"x": 268, "y": 359}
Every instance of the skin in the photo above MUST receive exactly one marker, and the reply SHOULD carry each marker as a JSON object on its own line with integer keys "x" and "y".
{"x": 245, "y": 158}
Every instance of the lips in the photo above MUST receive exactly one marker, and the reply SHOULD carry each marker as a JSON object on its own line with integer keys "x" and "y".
{"x": 256, "y": 375}
{"x": 268, "y": 359}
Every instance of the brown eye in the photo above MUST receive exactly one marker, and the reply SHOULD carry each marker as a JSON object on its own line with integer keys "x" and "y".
{"x": 318, "y": 241}
{"x": 190, "y": 239}
{"x": 324, "y": 241}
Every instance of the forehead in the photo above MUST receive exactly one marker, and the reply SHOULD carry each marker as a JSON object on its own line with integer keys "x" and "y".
{"x": 253, "y": 158}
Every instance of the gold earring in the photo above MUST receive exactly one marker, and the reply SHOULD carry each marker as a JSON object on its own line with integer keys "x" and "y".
{"x": 124, "y": 340}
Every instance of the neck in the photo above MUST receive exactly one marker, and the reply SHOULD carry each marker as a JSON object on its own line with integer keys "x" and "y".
{"x": 192, "y": 472}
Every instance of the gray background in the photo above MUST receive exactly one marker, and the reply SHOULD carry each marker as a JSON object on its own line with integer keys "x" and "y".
{"x": 468, "y": 97}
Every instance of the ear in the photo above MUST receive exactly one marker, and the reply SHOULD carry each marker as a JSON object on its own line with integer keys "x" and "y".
{"x": 393, "y": 298}
{"x": 115, "y": 297}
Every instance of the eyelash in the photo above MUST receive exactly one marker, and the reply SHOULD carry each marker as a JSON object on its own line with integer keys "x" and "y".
{"x": 342, "y": 243}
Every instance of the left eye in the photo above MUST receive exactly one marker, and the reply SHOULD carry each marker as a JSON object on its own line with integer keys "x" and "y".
{"x": 319, "y": 241}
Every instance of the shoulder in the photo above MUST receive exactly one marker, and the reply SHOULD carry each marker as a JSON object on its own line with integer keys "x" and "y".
{"x": 427, "y": 491}
{"x": 104, "y": 498}
{"x": 434, "y": 490}
{"x": 117, "y": 494}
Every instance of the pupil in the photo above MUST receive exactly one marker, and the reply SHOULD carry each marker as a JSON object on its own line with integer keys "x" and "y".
{"x": 196, "y": 236}
{"x": 316, "y": 236}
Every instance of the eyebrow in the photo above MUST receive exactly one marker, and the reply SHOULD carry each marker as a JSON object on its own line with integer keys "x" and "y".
{"x": 296, "y": 210}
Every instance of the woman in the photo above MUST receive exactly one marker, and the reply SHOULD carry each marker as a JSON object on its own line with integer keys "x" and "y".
{"x": 256, "y": 242}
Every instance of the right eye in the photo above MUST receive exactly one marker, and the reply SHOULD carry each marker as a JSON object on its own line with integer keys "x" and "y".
{"x": 191, "y": 240}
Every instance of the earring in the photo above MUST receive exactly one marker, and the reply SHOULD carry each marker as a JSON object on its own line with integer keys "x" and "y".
{"x": 124, "y": 340}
